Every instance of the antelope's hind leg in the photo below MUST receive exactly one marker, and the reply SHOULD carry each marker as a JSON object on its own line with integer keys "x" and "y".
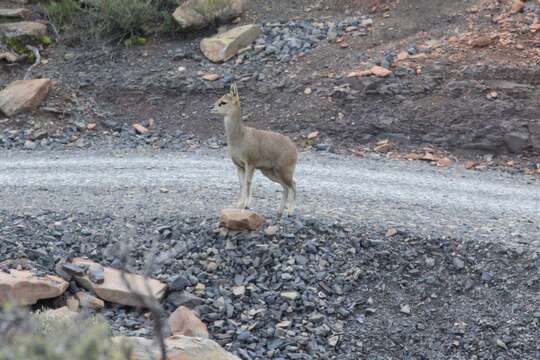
{"x": 292, "y": 199}
{"x": 274, "y": 176}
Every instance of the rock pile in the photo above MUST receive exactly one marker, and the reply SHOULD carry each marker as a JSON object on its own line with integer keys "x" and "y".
{"x": 316, "y": 289}
{"x": 190, "y": 340}
{"x": 284, "y": 40}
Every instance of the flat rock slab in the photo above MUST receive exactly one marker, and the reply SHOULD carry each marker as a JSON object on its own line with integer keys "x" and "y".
{"x": 197, "y": 14}
{"x": 23, "y": 30}
{"x": 19, "y": 13}
{"x": 27, "y": 288}
{"x": 239, "y": 219}
{"x": 178, "y": 348}
{"x": 224, "y": 46}
{"x": 23, "y": 95}
{"x": 115, "y": 290}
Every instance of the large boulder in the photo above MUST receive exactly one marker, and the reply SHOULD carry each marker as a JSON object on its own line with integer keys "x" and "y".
{"x": 184, "y": 321}
{"x": 178, "y": 348}
{"x": 197, "y": 14}
{"x": 23, "y": 30}
{"x": 115, "y": 290}
{"x": 240, "y": 219}
{"x": 222, "y": 47}
{"x": 23, "y": 95}
{"x": 26, "y": 288}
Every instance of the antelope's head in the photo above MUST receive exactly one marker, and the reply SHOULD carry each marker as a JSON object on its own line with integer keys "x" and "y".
{"x": 228, "y": 103}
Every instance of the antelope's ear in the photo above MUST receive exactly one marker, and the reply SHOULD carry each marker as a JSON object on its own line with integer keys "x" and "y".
{"x": 234, "y": 91}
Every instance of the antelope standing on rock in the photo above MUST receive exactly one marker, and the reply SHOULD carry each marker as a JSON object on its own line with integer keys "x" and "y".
{"x": 275, "y": 155}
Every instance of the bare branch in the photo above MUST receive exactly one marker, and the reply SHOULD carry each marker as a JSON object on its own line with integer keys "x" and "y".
{"x": 35, "y": 51}
{"x": 55, "y": 31}
{"x": 149, "y": 301}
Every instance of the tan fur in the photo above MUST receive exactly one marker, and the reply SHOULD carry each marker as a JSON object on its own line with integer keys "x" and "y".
{"x": 275, "y": 155}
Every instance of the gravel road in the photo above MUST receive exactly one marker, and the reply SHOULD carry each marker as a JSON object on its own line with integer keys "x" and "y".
{"x": 410, "y": 196}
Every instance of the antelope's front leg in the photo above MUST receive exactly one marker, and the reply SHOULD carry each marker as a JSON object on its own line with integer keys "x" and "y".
{"x": 241, "y": 175}
{"x": 249, "y": 171}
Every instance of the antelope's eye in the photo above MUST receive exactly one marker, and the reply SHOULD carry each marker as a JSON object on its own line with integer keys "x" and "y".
{"x": 221, "y": 103}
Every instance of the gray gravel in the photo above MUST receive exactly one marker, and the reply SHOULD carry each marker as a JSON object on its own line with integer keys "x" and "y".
{"x": 410, "y": 196}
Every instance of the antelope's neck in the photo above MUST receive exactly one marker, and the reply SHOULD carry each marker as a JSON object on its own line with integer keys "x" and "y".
{"x": 234, "y": 128}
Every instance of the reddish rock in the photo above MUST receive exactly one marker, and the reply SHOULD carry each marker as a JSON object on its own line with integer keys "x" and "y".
{"x": 240, "y": 219}
{"x": 26, "y": 288}
{"x": 23, "y": 95}
{"x": 383, "y": 146}
{"x": 184, "y": 321}
{"x": 517, "y": 6}
{"x": 402, "y": 55}
{"x": 483, "y": 41}
{"x": 88, "y": 301}
{"x": 140, "y": 129}
{"x": 380, "y": 71}
{"x": 211, "y": 77}
{"x": 178, "y": 348}
{"x": 359, "y": 73}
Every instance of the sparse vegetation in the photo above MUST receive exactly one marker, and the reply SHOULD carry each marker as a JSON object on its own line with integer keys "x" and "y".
{"x": 118, "y": 19}
{"x": 41, "y": 336}
{"x": 63, "y": 12}
{"x": 19, "y": 48}
{"x": 125, "y": 17}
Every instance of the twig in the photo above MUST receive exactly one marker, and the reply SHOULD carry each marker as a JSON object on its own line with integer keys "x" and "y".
{"x": 56, "y": 33}
{"x": 35, "y": 51}
{"x": 149, "y": 301}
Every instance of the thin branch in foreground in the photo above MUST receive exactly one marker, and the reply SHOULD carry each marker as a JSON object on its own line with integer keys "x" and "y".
{"x": 149, "y": 301}
{"x": 35, "y": 51}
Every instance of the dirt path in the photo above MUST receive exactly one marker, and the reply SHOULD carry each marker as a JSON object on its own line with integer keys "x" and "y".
{"x": 412, "y": 197}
